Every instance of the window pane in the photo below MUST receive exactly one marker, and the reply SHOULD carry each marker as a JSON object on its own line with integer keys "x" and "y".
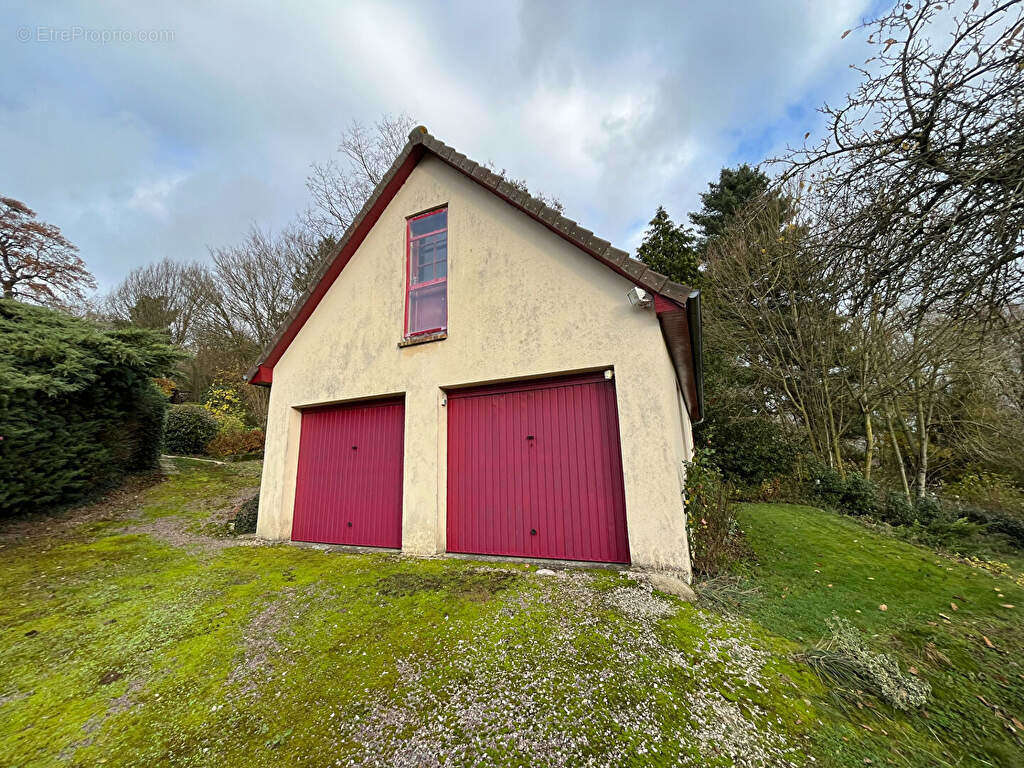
{"x": 422, "y": 263}
{"x": 429, "y": 258}
{"x": 429, "y": 223}
{"x": 428, "y": 308}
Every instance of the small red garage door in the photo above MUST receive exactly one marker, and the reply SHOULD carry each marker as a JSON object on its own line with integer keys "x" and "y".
{"x": 535, "y": 470}
{"x": 348, "y": 489}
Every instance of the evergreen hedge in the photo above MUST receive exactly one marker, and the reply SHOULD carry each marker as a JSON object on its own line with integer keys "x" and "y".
{"x": 748, "y": 450}
{"x": 78, "y": 407}
{"x": 189, "y": 430}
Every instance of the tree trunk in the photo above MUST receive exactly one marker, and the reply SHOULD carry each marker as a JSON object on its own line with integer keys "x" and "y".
{"x": 898, "y": 455}
{"x": 922, "y": 443}
{"x": 825, "y": 439}
{"x": 869, "y": 449}
{"x": 832, "y": 427}
{"x": 839, "y": 455}
{"x": 922, "y": 470}
{"x": 798, "y": 402}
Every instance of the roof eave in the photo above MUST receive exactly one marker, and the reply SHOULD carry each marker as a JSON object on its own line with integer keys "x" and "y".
{"x": 681, "y": 329}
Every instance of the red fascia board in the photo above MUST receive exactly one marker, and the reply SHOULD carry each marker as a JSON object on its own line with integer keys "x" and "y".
{"x": 265, "y": 373}
{"x": 663, "y": 304}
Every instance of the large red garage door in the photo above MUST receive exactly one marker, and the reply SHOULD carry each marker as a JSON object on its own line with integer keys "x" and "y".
{"x": 535, "y": 470}
{"x": 348, "y": 489}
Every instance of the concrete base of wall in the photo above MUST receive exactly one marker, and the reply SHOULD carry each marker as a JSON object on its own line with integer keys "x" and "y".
{"x": 538, "y": 561}
{"x": 671, "y": 581}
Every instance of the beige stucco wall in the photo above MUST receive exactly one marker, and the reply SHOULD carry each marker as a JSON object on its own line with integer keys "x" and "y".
{"x": 522, "y": 302}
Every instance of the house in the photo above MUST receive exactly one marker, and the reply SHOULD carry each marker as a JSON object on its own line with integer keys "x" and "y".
{"x": 474, "y": 373}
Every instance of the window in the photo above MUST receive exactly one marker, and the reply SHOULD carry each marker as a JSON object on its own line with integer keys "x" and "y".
{"x": 426, "y": 302}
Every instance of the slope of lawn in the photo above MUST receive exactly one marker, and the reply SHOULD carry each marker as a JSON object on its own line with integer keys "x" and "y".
{"x": 960, "y": 627}
{"x": 139, "y": 631}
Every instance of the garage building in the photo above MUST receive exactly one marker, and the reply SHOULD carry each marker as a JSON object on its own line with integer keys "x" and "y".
{"x": 474, "y": 373}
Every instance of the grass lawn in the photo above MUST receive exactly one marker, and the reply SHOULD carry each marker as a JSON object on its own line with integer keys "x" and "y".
{"x": 960, "y": 627}
{"x": 140, "y": 632}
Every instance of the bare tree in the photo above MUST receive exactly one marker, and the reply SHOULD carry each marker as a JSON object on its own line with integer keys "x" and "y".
{"x": 223, "y": 314}
{"x": 307, "y": 253}
{"x": 166, "y": 295}
{"x": 914, "y": 206}
{"x": 985, "y": 407}
{"x": 258, "y": 281}
{"x": 949, "y": 371}
{"x": 255, "y": 284}
{"x": 769, "y": 294}
{"x": 340, "y": 188}
{"x": 919, "y": 182}
{"x": 37, "y": 263}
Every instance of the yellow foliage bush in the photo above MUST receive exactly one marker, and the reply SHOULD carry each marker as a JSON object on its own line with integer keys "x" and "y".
{"x": 223, "y": 400}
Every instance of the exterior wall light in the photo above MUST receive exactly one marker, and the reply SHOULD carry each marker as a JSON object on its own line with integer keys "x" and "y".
{"x": 638, "y": 297}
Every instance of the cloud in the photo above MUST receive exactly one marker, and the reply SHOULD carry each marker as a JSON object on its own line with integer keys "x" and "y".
{"x": 672, "y": 93}
{"x": 144, "y": 149}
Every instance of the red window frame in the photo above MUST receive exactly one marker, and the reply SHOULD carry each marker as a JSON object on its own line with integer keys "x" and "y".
{"x": 409, "y": 285}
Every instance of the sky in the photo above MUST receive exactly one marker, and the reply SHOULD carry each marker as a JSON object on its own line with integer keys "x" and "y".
{"x": 145, "y": 131}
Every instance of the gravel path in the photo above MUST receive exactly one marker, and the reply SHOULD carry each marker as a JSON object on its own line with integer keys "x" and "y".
{"x": 542, "y": 700}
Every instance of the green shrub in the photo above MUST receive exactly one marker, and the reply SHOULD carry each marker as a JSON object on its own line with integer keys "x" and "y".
{"x": 897, "y": 510}
{"x": 189, "y": 429}
{"x": 749, "y": 450}
{"x": 236, "y": 443}
{"x": 229, "y": 424}
{"x": 1005, "y": 524}
{"x": 948, "y": 533}
{"x": 1009, "y": 526}
{"x": 859, "y": 496}
{"x": 927, "y": 510}
{"x": 712, "y": 527}
{"x": 78, "y": 407}
{"x": 825, "y": 485}
{"x": 245, "y": 520}
{"x": 853, "y": 494}
{"x": 145, "y": 432}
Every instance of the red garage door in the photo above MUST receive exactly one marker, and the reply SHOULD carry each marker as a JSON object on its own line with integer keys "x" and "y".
{"x": 535, "y": 470}
{"x": 348, "y": 489}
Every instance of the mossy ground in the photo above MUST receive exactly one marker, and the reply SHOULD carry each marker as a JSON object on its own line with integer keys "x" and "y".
{"x": 120, "y": 647}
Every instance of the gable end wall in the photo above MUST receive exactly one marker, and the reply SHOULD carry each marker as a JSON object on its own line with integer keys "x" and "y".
{"x": 522, "y": 303}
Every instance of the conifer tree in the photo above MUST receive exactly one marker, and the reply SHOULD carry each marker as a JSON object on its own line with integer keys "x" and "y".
{"x": 670, "y": 249}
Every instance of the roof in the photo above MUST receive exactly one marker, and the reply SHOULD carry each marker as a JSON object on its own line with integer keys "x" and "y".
{"x": 677, "y": 305}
